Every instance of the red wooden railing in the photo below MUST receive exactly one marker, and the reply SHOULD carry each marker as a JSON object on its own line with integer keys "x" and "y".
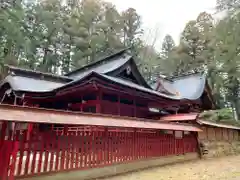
{"x": 70, "y": 148}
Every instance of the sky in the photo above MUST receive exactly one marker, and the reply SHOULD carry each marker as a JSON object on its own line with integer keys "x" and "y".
{"x": 161, "y": 17}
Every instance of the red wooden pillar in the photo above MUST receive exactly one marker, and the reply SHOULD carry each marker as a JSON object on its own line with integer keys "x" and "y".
{"x": 135, "y": 107}
{"x": 29, "y": 130}
{"x": 8, "y": 148}
{"x": 3, "y": 161}
{"x": 81, "y": 148}
{"x": 3, "y": 133}
{"x": 118, "y": 104}
{"x": 81, "y": 106}
{"x": 99, "y": 98}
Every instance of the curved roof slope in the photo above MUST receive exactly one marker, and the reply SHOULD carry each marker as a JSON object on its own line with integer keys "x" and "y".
{"x": 26, "y": 84}
{"x": 95, "y": 64}
{"x": 121, "y": 82}
{"x": 187, "y": 87}
{"x": 103, "y": 68}
{"x": 36, "y": 74}
{"x": 32, "y": 81}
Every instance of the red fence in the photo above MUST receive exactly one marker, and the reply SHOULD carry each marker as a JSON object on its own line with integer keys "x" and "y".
{"x": 70, "y": 148}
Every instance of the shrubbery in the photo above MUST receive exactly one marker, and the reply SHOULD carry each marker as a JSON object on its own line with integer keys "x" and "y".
{"x": 224, "y": 116}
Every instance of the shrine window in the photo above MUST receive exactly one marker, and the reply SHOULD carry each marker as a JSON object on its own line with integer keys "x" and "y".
{"x": 89, "y": 97}
{"x": 110, "y": 97}
{"x": 126, "y": 101}
{"x": 141, "y": 104}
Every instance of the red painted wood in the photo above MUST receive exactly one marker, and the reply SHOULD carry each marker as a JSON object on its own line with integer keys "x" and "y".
{"x": 85, "y": 149}
{"x": 28, "y": 152}
{"x": 41, "y": 143}
{"x": 63, "y": 149}
{"x": 7, "y": 148}
{"x": 34, "y": 154}
{"x": 52, "y": 153}
{"x": 67, "y": 152}
{"x": 72, "y": 151}
{"x": 81, "y": 149}
{"x": 89, "y": 147}
{"x": 14, "y": 149}
{"x": 2, "y": 145}
{"x": 76, "y": 149}
{"x": 46, "y": 155}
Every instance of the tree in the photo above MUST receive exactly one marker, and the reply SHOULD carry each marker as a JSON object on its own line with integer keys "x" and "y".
{"x": 227, "y": 51}
{"x": 52, "y": 36}
{"x": 12, "y": 32}
{"x": 229, "y": 5}
{"x": 195, "y": 50}
{"x": 131, "y": 26}
{"x": 167, "y": 45}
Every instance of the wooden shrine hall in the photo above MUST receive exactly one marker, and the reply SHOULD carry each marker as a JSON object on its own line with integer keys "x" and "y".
{"x": 102, "y": 114}
{"x": 112, "y": 85}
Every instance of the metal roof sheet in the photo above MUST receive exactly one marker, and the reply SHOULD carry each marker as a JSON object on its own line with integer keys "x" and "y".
{"x": 121, "y": 82}
{"x": 32, "y": 73}
{"x": 20, "y": 83}
{"x": 180, "y": 117}
{"x": 202, "y": 122}
{"x": 98, "y": 62}
{"x": 187, "y": 87}
{"x": 108, "y": 66}
{"x": 36, "y": 115}
{"x": 138, "y": 87}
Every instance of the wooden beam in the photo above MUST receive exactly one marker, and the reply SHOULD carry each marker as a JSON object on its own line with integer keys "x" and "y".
{"x": 99, "y": 98}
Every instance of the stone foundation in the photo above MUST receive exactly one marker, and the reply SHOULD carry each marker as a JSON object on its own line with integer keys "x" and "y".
{"x": 221, "y": 148}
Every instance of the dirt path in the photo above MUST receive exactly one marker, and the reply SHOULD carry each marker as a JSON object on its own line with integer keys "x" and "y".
{"x": 227, "y": 168}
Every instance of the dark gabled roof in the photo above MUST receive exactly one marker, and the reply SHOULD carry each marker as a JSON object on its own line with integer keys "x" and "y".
{"x": 111, "y": 65}
{"x": 104, "y": 68}
{"x": 96, "y": 63}
{"x": 188, "y": 87}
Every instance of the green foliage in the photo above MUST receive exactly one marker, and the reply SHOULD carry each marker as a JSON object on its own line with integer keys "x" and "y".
{"x": 224, "y": 116}
{"x": 167, "y": 45}
{"x": 213, "y": 48}
{"x": 57, "y": 37}
{"x": 217, "y": 115}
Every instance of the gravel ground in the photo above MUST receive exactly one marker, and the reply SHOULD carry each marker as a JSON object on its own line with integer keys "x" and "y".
{"x": 227, "y": 168}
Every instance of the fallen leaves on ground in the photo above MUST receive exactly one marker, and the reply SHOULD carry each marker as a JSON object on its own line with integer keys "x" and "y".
{"x": 226, "y": 168}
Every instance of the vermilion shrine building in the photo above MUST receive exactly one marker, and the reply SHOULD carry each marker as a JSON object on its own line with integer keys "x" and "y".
{"x": 102, "y": 114}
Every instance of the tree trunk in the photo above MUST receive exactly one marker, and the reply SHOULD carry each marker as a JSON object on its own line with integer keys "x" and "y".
{"x": 238, "y": 109}
{"x": 235, "y": 110}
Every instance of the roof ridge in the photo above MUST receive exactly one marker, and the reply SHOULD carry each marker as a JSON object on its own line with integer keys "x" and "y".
{"x": 172, "y": 78}
{"x": 97, "y": 62}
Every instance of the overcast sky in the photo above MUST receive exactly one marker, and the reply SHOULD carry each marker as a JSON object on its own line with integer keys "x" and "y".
{"x": 161, "y": 17}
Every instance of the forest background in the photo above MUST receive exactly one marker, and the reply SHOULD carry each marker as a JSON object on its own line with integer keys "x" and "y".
{"x": 57, "y": 36}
